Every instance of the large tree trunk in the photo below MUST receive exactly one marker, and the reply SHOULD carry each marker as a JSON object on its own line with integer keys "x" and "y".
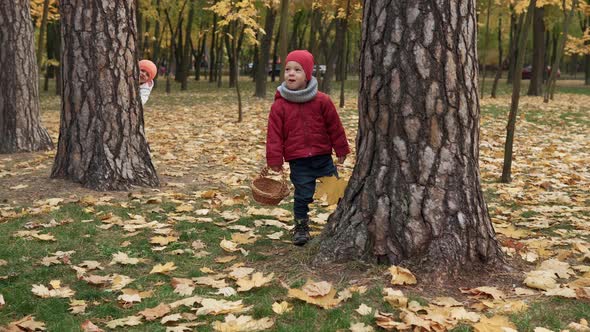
{"x": 264, "y": 53}
{"x": 415, "y": 195}
{"x": 538, "y": 66}
{"x": 20, "y": 124}
{"x": 102, "y": 143}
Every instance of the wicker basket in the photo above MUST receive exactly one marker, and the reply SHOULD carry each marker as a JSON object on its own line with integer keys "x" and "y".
{"x": 268, "y": 191}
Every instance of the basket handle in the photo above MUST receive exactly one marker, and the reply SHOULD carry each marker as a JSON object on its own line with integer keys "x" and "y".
{"x": 264, "y": 173}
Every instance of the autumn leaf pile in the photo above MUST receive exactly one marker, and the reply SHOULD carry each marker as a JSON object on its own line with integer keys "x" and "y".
{"x": 206, "y": 161}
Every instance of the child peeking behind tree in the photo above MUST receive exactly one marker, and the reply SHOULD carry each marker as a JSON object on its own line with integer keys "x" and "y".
{"x": 147, "y": 73}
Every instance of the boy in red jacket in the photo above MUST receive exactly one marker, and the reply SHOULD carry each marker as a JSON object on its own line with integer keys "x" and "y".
{"x": 303, "y": 129}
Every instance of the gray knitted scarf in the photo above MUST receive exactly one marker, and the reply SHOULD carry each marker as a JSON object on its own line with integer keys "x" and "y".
{"x": 300, "y": 96}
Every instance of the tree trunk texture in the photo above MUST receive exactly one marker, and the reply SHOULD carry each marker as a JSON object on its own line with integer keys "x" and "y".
{"x": 102, "y": 142}
{"x": 264, "y": 53}
{"x": 538, "y": 65}
{"x": 414, "y": 196}
{"x": 20, "y": 123}
{"x": 501, "y": 63}
{"x": 511, "y": 126}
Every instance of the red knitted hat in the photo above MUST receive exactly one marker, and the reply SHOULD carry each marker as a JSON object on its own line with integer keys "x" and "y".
{"x": 304, "y": 58}
{"x": 149, "y": 68}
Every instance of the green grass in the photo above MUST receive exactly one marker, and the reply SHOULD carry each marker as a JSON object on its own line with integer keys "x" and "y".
{"x": 554, "y": 314}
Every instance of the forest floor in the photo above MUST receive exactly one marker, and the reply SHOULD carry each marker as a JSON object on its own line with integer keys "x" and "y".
{"x": 128, "y": 260}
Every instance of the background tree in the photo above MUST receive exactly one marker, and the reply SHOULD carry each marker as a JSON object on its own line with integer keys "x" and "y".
{"x": 538, "y": 58}
{"x": 102, "y": 143}
{"x": 20, "y": 124}
{"x": 511, "y": 127}
{"x": 568, "y": 14}
{"x": 264, "y": 50}
{"x": 239, "y": 20}
{"x": 415, "y": 195}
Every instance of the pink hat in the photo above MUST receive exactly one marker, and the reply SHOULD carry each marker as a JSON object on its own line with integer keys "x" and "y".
{"x": 149, "y": 67}
{"x": 304, "y": 58}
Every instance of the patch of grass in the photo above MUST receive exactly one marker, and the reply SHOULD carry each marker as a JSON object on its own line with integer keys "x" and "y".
{"x": 554, "y": 314}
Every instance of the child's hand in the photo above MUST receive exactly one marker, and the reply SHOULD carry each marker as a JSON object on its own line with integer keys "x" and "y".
{"x": 276, "y": 168}
{"x": 341, "y": 159}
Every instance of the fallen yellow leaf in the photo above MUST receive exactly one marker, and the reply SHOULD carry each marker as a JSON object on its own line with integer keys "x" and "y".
{"x": 166, "y": 268}
{"x": 401, "y": 276}
{"x": 330, "y": 189}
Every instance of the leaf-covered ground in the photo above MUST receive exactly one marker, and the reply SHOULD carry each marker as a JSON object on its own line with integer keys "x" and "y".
{"x": 199, "y": 254}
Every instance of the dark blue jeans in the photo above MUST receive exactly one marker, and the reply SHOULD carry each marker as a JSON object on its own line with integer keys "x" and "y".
{"x": 304, "y": 172}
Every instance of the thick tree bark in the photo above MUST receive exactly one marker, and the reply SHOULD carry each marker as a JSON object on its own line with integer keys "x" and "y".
{"x": 102, "y": 143}
{"x": 20, "y": 123}
{"x": 414, "y": 196}
{"x": 538, "y": 66}
{"x": 264, "y": 53}
{"x": 511, "y": 126}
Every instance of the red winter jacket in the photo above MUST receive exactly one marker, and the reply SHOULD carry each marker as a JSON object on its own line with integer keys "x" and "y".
{"x": 300, "y": 130}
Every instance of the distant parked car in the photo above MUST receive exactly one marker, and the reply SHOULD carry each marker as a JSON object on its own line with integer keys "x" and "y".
{"x": 527, "y": 72}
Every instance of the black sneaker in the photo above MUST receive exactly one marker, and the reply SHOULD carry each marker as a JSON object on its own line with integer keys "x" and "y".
{"x": 301, "y": 232}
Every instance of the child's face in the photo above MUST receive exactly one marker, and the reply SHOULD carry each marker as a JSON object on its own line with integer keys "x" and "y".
{"x": 143, "y": 76}
{"x": 295, "y": 76}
